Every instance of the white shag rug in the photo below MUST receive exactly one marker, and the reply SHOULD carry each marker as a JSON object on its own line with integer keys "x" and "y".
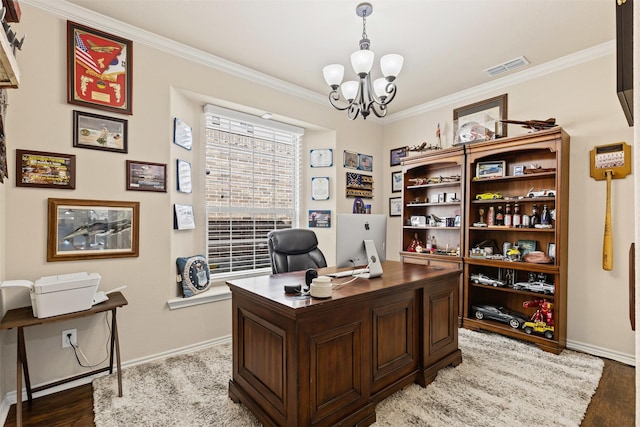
{"x": 500, "y": 382}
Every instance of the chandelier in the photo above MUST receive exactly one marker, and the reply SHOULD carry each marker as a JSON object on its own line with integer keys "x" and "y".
{"x": 361, "y": 97}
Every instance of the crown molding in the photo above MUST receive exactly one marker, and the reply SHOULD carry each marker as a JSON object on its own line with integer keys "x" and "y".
{"x": 73, "y": 12}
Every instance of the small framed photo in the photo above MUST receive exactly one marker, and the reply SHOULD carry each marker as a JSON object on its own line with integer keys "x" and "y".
{"x": 442, "y": 197}
{"x": 397, "y": 154}
{"x": 365, "y": 162}
{"x": 321, "y": 158}
{"x": 396, "y": 182}
{"x": 350, "y": 160}
{"x": 320, "y": 188}
{"x": 551, "y": 250}
{"x": 319, "y": 219}
{"x": 526, "y": 246}
{"x": 88, "y": 229}
{"x": 518, "y": 170}
{"x": 99, "y": 132}
{"x": 183, "y": 218}
{"x": 45, "y": 170}
{"x": 395, "y": 206}
{"x": 486, "y": 170}
{"x": 184, "y": 176}
{"x": 146, "y": 176}
{"x": 182, "y": 134}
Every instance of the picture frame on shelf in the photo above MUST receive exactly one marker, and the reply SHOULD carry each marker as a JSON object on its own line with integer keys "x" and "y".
{"x": 87, "y": 229}
{"x": 526, "y": 246}
{"x": 551, "y": 250}
{"x": 98, "y": 132}
{"x": 488, "y": 170}
{"x": 146, "y": 176}
{"x": 518, "y": 170}
{"x": 480, "y": 121}
{"x": 397, "y": 154}
{"x": 321, "y": 158}
{"x": 42, "y": 169}
{"x": 99, "y": 69}
{"x": 396, "y": 181}
{"x": 182, "y": 134}
{"x": 395, "y": 206}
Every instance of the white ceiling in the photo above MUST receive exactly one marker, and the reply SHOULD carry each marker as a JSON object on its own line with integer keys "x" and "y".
{"x": 446, "y": 43}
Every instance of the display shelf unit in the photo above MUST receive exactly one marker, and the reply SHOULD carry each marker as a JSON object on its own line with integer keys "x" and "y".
{"x": 433, "y": 188}
{"x": 548, "y": 152}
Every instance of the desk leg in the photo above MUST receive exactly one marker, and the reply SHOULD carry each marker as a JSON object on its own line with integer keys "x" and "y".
{"x": 116, "y": 341}
{"x": 21, "y": 367}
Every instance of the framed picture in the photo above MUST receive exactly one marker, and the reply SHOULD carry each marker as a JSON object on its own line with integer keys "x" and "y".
{"x": 145, "y": 176}
{"x": 396, "y": 182}
{"x": 182, "y": 134}
{"x": 321, "y": 158}
{"x": 350, "y": 160}
{"x": 99, "y": 67}
{"x": 320, "y": 188}
{"x": 365, "y": 162}
{"x": 45, "y": 170}
{"x": 397, "y": 154}
{"x": 551, "y": 250}
{"x": 486, "y": 170}
{"x": 86, "y": 229}
{"x": 319, "y": 219}
{"x": 183, "y": 218}
{"x": 480, "y": 121}
{"x": 526, "y": 246}
{"x": 184, "y": 176}
{"x": 518, "y": 170}
{"x": 99, "y": 132}
{"x": 395, "y": 206}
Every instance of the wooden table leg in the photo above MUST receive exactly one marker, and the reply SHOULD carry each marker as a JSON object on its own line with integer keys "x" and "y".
{"x": 117, "y": 348}
{"x": 19, "y": 383}
{"x": 22, "y": 349}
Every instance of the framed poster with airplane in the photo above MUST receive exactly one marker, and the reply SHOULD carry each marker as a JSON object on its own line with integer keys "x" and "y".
{"x": 86, "y": 229}
{"x": 99, "y": 67}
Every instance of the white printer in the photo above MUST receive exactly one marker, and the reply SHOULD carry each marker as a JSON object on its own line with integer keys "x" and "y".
{"x": 61, "y": 294}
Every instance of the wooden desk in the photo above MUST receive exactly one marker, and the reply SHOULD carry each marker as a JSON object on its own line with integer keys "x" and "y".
{"x": 23, "y": 317}
{"x": 301, "y": 361}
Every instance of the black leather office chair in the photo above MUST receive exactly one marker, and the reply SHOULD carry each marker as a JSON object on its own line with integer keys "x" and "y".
{"x": 294, "y": 249}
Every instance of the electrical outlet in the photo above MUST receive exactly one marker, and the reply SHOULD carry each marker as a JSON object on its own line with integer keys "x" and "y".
{"x": 70, "y": 336}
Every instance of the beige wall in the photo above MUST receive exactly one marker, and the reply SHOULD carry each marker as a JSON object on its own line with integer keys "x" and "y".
{"x": 583, "y": 100}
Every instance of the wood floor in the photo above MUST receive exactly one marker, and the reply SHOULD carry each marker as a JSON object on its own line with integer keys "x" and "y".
{"x": 612, "y": 405}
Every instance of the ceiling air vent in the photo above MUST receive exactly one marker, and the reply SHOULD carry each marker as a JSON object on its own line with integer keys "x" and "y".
{"x": 507, "y": 66}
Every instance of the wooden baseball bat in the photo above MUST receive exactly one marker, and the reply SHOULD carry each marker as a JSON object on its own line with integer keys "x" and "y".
{"x": 607, "y": 244}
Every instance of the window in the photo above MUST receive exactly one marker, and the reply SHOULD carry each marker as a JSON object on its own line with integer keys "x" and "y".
{"x": 252, "y": 188}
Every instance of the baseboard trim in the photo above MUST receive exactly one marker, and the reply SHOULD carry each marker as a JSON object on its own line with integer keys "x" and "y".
{"x": 10, "y": 398}
{"x": 627, "y": 359}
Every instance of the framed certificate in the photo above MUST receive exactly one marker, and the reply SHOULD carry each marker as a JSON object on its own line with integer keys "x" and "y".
{"x": 184, "y": 176}
{"x": 321, "y": 158}
{"x": 320, "y": 188}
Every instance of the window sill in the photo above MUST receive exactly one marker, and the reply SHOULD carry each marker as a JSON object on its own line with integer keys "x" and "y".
{"x": 215, "y": 294}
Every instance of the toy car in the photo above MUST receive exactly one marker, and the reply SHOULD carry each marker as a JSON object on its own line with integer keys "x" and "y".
{"x": 499, "y": 313}
{"x": 488, "y": 196}
{"x": 540, "y": 328}
{"x": 541, "y": 193}
{"x": 536, "y": 286}
{"x": 485, "y": 280}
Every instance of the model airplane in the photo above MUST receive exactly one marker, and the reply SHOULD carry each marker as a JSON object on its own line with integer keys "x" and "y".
{"x": 534, "y": 124}
{"x": 102, "y": 49}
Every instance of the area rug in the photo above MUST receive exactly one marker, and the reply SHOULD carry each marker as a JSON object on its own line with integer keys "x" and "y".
{"x": 501, "y": 382}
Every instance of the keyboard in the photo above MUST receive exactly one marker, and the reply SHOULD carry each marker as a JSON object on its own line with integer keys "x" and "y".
{"x": 346, "y": 273}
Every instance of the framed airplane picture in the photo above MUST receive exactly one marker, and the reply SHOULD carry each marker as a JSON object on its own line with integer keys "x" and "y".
{"x": 99, "y": 69}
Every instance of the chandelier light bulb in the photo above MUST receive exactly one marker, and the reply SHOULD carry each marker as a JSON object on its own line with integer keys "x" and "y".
{"x": 380, "y": 87}
{"x": 362, "y": 61}
{"x": 391, "y": 65}
{"x": 333, "y": 75}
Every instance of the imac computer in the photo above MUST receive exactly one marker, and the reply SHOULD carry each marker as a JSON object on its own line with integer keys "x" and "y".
{"x": 361, "y": 241}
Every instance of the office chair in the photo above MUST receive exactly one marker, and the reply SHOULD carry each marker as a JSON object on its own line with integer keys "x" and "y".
{"x": 294, "y": 249}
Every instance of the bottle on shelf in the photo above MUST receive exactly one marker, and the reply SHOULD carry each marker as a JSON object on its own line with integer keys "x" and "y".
{"x": 508, "y": 218}
{"x": 500, "y": 216}
{"x": 491, "y": 217}
{"x": 429, "y": 247}
{"x": 516, "y": 215}
{"x": 535, "y": 217}
{"x": 545, "y": 216}
{"x": 433, "y": 243}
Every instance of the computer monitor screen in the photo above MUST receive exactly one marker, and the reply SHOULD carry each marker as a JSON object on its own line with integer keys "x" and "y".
{"x": 351, "y": 232}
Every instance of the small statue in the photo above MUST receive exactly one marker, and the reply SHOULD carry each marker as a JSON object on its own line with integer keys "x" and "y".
{"x": 415, "y": 244}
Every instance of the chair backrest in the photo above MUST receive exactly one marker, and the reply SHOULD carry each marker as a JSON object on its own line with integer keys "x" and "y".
{"x": 294, "y": 249}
